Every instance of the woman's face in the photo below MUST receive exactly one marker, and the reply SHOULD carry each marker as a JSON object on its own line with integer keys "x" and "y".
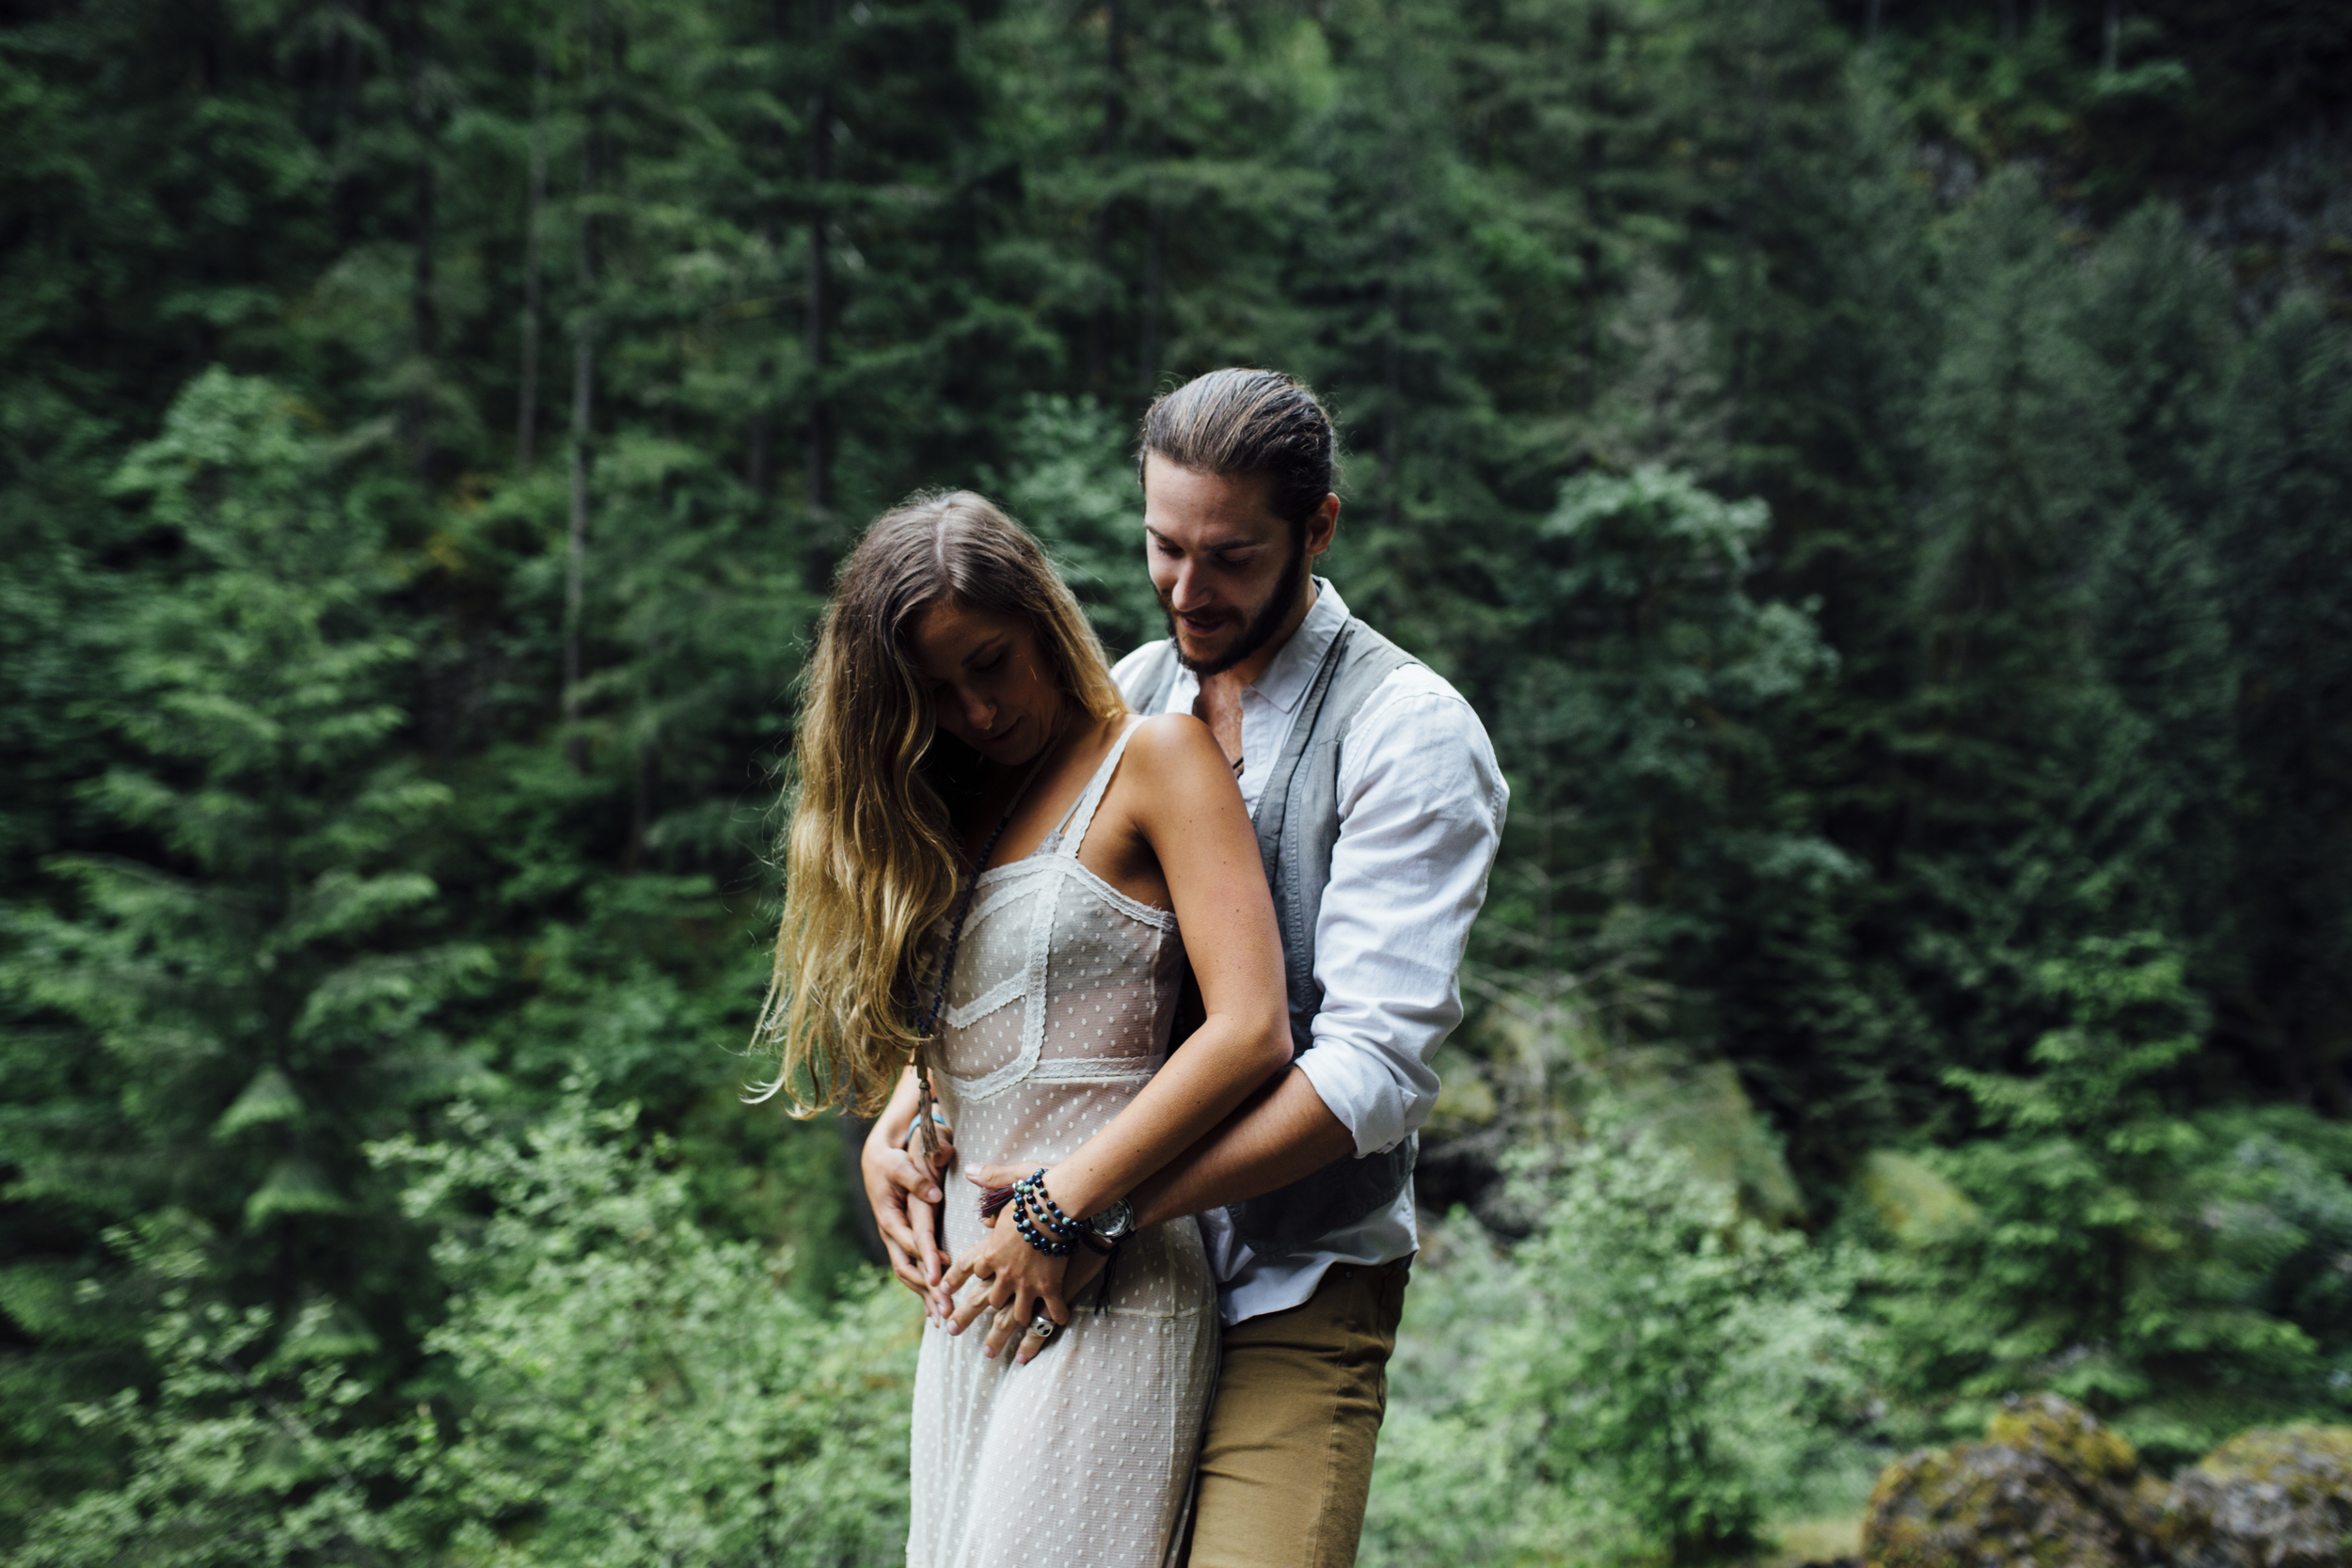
{"x": 989, "y": 682}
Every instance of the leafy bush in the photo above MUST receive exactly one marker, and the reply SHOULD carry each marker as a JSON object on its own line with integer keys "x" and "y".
{"x": 1641, "y": 1381}
{"x": 636, "y": 1391}
{"x": 2172, "y": 1270}
{"x": 619, "y": 1388}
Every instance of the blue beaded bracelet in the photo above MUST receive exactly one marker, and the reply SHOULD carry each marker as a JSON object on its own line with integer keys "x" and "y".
{"x": 1024, "y": 1194}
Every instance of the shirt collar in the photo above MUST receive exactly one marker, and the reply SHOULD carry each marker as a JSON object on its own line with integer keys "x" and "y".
{"x": 1285, "y": 680}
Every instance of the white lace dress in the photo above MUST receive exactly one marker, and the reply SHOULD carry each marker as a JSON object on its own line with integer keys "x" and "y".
{"x": 1059, "y": 1012}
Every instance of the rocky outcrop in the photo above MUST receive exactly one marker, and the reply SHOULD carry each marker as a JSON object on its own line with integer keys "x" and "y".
{"x": 2051, "y": 1488}
{"x": 2277, "y": 1498}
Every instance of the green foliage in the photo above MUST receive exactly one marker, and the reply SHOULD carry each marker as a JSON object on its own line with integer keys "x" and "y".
{"x": 259, "y": 929}
{"x": 1071, "y": 479}
{"x": 630, "y": 1387}
{"x": 251, "y": 1451}
{"x": 1640, "y": 1381}
{"x": 2283, "y": 541}
{"x": 1641, "y": 640}
{"x": 2150, "y": 1265}
{"x": 621, "y": 1386}
{"x": 1901, "y": 568}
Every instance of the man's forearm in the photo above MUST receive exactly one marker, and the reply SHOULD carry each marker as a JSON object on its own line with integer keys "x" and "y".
{"x": 1280, "y": 1134}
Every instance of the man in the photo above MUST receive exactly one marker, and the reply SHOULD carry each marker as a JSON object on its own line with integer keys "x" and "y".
{"x": 1378, "y": 807}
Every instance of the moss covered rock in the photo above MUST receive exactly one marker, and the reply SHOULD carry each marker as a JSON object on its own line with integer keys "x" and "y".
{"x": 2274, "y": 1498}
{"x": 2049, "y": 1488}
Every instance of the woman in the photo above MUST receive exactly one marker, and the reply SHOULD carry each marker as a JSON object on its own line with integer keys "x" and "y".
{"x": 989, "y": 866}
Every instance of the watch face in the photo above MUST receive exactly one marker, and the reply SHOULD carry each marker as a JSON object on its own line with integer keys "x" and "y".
{"x": 1115, "y": 1221}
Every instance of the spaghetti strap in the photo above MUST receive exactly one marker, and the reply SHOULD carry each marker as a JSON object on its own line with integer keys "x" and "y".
{"x": 1081, "y": 814}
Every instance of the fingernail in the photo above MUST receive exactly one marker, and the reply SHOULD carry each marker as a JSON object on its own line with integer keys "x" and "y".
{"x": 931, "y": 1194}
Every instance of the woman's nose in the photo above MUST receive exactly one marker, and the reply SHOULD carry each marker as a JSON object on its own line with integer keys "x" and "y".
{"x": 978, "y": 712}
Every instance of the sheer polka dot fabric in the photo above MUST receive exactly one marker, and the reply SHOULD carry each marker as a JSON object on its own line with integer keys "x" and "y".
{"x": 1059, "y": 1012}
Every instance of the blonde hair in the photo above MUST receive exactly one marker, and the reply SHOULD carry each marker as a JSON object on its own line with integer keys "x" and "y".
{"x": 872, "y": 866}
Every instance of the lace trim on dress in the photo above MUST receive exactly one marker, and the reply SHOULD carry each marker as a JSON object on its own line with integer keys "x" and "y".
{"x": 1055, "y": 864}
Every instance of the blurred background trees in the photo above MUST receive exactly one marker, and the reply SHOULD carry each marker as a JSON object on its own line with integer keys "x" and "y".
{"x": 1883, "y": 473}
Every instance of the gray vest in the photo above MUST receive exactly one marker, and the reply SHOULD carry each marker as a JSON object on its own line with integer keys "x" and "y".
{"x": 1298, "y": 822}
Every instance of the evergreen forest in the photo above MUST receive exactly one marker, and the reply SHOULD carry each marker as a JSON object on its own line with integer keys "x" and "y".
{"x": 1880, "y": 468}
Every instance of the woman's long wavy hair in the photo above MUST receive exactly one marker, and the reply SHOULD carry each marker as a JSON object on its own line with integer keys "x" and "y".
{"x": 872, "y": 859}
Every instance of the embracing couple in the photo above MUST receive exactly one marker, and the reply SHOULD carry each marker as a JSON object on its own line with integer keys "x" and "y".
{"x": 1157, "y": 959}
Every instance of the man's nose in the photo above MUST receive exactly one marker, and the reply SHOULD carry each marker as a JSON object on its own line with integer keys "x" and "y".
{"x": 1189, "y": 592}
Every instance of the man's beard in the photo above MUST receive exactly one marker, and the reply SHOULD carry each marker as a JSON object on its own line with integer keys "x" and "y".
{"x": 1261, "y": 627}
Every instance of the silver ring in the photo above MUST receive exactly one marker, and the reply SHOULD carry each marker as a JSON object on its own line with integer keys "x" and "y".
{"x": 1040, "y": 1327}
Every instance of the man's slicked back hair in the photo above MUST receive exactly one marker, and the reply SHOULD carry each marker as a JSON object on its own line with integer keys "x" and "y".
{"x": 1243, "y": 423}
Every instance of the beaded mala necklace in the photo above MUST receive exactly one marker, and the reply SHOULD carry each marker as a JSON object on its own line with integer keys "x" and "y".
{"x": 927, "y": 1020}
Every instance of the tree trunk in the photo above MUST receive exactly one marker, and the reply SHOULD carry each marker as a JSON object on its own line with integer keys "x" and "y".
{"x": 342, "y": 200}
{"x": 422, "y": 324}
{"x": 1761, "y": 95}
{"x": 527, "y": 399}
{"x": 640, "y": 806}
{"x": 758, "y": 466}
{"x": 1392, "y": 379}
{"x": 1595, "y": 213}
{"x": 1148, "y": 351}
{"x": 818, "y": 565}
{"x": 583, "y": 392}
{"x": 1114, "y": 130}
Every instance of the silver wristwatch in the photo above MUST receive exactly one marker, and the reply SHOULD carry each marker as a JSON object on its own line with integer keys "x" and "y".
{"x": 1113, "y": 1222}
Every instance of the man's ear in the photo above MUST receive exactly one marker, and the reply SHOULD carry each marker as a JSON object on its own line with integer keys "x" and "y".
{"x": 1323, "y": 526}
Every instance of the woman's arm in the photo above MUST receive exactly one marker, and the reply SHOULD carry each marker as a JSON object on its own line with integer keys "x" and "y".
{"x": 1178, "y": 795}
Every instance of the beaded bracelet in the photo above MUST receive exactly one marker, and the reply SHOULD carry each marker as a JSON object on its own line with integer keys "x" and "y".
{"x": 1025, "y": 1193}
{"x": 1063, "y": 1224}
{"x": 1035, "y": 1212}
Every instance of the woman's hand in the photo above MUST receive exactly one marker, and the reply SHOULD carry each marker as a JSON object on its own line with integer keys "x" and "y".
{"x": 1079, "y": 1270}
{"x": 1020, "y": 1282}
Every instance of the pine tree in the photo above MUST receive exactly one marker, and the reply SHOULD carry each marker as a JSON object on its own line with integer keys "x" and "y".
{"x": 2023, "y": 449}
{"x": 2157, "y": 315}
{"x": 249, "y": 973}
{"x": 2282, "y": 541}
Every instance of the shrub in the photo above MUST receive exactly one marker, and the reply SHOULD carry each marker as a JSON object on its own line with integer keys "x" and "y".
{"x": 619, "y": 1388}
{"x": 1652, "y": 1371}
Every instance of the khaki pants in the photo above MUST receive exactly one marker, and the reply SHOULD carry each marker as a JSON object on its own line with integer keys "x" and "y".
{"x": 1286, "y": 1461}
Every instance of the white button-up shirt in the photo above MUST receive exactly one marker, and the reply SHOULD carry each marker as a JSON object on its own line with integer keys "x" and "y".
{"x": 1422, "y": 807}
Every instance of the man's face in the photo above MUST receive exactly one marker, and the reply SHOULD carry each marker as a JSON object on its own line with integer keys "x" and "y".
{"x": 1228, "y": 571}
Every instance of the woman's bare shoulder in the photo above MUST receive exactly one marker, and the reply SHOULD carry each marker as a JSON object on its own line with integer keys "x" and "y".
{"x": 1173, "y": 759}
{"x": 1175, "y": 741}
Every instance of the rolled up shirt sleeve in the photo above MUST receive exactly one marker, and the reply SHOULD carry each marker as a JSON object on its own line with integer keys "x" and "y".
{"x": 1422, "y": 806}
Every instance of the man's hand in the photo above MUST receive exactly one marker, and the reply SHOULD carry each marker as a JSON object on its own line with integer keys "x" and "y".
{"x": 905, "y": 1196}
